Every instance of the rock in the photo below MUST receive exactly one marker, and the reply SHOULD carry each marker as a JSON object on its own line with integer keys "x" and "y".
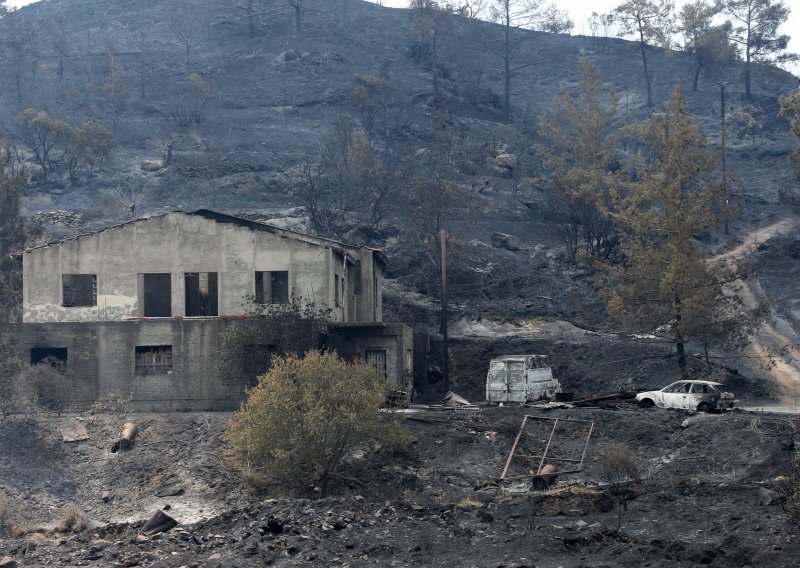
{"x": 504, "y": 173}
{"x": 169, "y": 490}
{"x": 150, "y": 165}
{"x": 8, "y": 562}
{"x": 508, "y": 161}
{"x": 503, "y": 240}
{"x": 484, "y": 516}
{"x": 767, "y": 497}
{"x": 538, "y": 260}
{"x": 106, "y": 496}
{"x": 495, "y": 148}
{"x": 580, "y": 525}
{"x": 423, "y": 155}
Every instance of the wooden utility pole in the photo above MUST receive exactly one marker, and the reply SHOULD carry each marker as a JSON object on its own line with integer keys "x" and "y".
{"x": 443, "y": 244}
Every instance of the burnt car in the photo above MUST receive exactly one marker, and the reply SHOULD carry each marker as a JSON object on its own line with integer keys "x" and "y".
{"x": 703, "y": 396}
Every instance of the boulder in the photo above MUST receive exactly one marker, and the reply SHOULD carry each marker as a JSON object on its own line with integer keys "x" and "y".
{"x": 767, "y": 497}
{"x": 508, "y": 161}
{"x": 150, "y": 165}
{"x": 508, "y": 242}
{"x": 504, "y": 173}
{"x": 538, "y": 259}
{"x": 494, "y": 148}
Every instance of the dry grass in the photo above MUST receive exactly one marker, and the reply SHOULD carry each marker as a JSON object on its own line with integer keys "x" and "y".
{"x": 9, "y": 528}
{"x": 467, "y": 503}
{"x": 73, "y": 520}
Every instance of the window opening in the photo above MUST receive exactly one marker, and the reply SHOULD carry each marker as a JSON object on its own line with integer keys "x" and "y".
{"x": 79, "y": 290}
{"x": 272, "y": 287}
{"x": 336, "y": 290}
{"x": 201, "y": 294}
{"x": 157, "y": 295}
{"x": 153, "y": 359}
{"x": 53, "y": 356}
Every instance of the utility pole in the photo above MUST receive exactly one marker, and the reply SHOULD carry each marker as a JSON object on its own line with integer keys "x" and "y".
{"x": 724, "y": 141}
{"x": 443, "y": 244}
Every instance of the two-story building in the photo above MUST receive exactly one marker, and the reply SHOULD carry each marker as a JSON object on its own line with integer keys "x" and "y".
{"x": 137, "y": 308}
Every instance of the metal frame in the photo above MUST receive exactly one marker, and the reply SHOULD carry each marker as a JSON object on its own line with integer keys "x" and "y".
{"x": 513, "y": 453}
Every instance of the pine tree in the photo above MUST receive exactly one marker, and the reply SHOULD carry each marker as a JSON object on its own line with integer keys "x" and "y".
{"x": 664, "y": 286}
{"x": 756, "y": 24}
{"x": 651, "y": 21}
{"x": 709, "y": 43}
{"x": 579, "y": 149}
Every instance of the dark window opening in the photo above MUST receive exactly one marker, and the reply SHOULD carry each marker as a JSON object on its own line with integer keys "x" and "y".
{"x": 201, "y": 294}
{"x": 377, "y": 357}
{"x": 153, "y": 359}
{"x": 272, "y": 287}
{"x": 53, "y": 356}
{"x": 79, "y": 290}
{"x": 336, "y": 290}
{"x": 157, "y": 296}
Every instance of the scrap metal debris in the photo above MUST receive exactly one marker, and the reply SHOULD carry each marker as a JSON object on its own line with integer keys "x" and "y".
{"x": 534, "y": 445}
{"x": 158, "y": 523}
{"x": 73, "y": 432}
{"x": 126, "y": 439}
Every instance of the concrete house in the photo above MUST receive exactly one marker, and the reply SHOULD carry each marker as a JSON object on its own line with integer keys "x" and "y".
{"x": 138, "y": 307}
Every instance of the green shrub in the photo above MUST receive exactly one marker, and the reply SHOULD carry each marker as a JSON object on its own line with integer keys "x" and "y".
{"x": 308, "y": 418}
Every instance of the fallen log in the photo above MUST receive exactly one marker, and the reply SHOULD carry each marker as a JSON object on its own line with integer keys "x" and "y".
{"x": 126, "y": 439}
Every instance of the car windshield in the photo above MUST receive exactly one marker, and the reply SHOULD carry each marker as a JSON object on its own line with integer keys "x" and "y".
{"x": 680, "y": 386}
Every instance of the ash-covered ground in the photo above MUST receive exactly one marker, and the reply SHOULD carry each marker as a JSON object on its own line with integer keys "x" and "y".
{"x": 704, "y": 497}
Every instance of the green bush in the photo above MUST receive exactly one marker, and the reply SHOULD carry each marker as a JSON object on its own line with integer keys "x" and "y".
{"x": 310, "y": 419}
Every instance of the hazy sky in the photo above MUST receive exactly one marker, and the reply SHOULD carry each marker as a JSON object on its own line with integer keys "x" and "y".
{"x": 580, "y": 10}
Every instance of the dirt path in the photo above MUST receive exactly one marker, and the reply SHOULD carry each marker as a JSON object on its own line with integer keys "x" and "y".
{"x": 776, "y": 338}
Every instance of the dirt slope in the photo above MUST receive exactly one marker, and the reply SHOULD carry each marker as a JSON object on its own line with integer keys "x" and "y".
{"x": 701, "y": 499}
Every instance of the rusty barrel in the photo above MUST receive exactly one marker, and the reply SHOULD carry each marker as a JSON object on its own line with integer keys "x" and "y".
{"x": 545, "y": 478}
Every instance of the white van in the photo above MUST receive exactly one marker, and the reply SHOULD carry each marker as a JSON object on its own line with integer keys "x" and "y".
{"x": 518, "y": 379}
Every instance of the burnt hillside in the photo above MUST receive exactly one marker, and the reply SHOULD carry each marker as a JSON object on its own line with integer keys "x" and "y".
{"x": 203, "y": 115}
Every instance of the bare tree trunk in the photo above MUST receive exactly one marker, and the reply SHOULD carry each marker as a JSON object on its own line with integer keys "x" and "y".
{"x": 507, "y": 77}
{"x": 644, "y": 62}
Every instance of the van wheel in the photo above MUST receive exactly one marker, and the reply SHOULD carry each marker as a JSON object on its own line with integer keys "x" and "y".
{"x": 646, "y": 403}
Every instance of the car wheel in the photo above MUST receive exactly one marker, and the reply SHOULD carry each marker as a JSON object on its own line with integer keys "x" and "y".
{"x": 703, "y": 407}
{"x": 646, "y": 403}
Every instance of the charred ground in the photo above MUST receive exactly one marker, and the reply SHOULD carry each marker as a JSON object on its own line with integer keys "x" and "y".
{"x": 272, "y": 97}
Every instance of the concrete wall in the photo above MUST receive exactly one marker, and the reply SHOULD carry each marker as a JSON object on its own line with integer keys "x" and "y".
{"x": 177, "y": 243}
{"x": 102, "y": 358}
{"x": 396, "y": 339}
